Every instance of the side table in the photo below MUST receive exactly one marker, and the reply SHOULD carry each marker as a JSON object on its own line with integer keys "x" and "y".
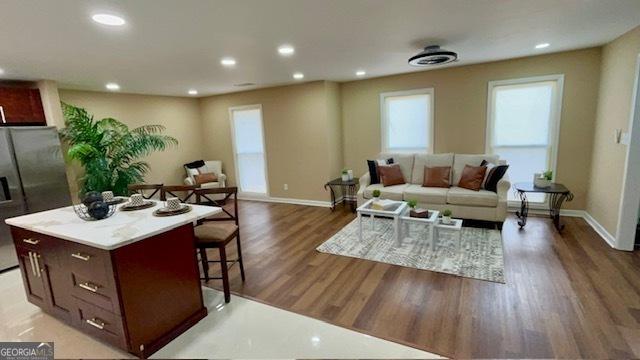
{"x": 558, "y": 194}
{"x": 349, "y": 190}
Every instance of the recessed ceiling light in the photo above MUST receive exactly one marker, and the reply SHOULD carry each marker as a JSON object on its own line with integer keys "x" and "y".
{"x": 193, "y": 92}
{"x": 542, "y": 46}
{"x": 298, "y": 76}
{"x": 361, "y": 73}
{"x": 112, "y": 86}
{"x": 286, "y": 50}
{"x": 108, "y": 19}
{"x": 228, "y": 61}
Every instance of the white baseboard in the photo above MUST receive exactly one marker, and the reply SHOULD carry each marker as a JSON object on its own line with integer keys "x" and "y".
{"x": 610, "y": 239}
{"x": 286, "y": 200}
{"x": 604, "y": 234}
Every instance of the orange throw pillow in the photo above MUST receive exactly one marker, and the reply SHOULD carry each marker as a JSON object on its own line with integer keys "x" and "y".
{"x": 436, "y": 176}
{"x": 205, "y": 178}
{"x": 472, "y": 177}
{"x": 390, "y": 175}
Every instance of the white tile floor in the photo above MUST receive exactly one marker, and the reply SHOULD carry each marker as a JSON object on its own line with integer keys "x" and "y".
{"x": 240, "y": 329}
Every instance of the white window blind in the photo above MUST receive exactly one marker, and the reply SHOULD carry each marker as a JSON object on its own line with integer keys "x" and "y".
{"x": 407, "y": 121}
{"x": 249, "y": 150}
{"x": 522, "y": 127}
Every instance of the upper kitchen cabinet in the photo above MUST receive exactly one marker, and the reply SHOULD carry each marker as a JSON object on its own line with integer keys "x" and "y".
{"x": 21, "y": 106}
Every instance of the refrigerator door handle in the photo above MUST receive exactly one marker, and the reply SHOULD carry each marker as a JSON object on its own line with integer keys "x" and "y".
{"x": 33, "y": 265}
{"x": 4, "y": 120}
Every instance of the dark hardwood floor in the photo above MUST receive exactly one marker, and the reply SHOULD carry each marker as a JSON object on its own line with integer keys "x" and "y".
{"x": 568, "y": 296}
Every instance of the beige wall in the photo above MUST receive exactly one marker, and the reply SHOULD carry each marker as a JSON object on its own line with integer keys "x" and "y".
{"x": 614, "y": 110}
{"x": 296, "y": 129}
{"x": 334, "y": 129}
{"x": 461, "y": 110}
{"x": 181, "y": 117}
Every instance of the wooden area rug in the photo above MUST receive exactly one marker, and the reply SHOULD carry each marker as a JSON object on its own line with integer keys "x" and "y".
{"x": 480, "y": 256}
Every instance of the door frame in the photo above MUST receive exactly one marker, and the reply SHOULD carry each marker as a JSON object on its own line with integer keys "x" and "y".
{"x": 235, "y": 156}
{"x": 630, "y": 196}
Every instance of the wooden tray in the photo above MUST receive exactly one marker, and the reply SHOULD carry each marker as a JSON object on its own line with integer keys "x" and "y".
{"x": 161, "y": 213}
{"x": 145, "y": 205}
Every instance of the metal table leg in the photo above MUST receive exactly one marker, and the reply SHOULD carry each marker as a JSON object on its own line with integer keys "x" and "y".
{"x": 524, "y": 209}
{"x": 555, "y": 203}
{"x": 333, "y": 196}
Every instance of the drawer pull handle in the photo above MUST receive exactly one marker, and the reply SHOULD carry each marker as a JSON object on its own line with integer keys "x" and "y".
{"x": 31, "y": 241}
{"x": 89, "y": 286}
{"x": 81, "y": 257}
{"x": 97, "y": 323}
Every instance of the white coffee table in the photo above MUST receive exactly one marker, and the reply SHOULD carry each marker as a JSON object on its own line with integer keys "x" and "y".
{"x": 455, "y": 225}
{"x": 430, "y": 222}
{"x": 394, "y": 212}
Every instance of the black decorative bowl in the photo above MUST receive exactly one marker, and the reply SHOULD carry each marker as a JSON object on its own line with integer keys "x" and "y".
{"x": 83, "y": 212}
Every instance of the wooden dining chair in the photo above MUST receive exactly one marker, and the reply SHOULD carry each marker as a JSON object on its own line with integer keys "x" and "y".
{"x": 216, "y": 233}
{"x": 182, "y": 192}
{"x": 146, "y": 190}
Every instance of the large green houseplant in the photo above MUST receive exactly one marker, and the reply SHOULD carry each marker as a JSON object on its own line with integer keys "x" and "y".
{"x": 108, "y": 150}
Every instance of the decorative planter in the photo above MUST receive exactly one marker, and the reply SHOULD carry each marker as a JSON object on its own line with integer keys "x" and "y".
{"x": 541, "y": 183}
{"x": 446, "y": 219}
{"x": 345, "y": 177}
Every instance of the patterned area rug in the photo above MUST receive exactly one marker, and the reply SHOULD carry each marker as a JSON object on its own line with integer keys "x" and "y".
{"x": 480, "y": 255}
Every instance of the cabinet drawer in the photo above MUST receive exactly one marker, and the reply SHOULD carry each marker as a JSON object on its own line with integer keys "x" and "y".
{"x": 28, "y": 239}
{"x": 100, "y": 323}
{"x": 90, "y": 263}
{"x": 95, "y": 292}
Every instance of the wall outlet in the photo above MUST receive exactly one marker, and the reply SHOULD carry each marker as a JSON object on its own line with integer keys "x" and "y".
{"x": 286, "y": 187}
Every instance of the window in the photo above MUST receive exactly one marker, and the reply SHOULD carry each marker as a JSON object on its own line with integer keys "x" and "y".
{"x": 523, "y": 121}
{"x": 248, "y": 147}
{"x": 407, "y": 121}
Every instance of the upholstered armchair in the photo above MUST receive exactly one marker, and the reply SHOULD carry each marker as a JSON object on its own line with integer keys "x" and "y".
{"x": 205, "y": 167}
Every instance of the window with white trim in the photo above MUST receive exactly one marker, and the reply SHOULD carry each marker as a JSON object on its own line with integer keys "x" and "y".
{"x": 522, "y": 126}
{"x": 407, "y": 121}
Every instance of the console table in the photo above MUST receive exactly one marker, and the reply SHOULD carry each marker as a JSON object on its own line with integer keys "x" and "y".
{"x": 558, "y": 194}
{"x": 349, "y": 189}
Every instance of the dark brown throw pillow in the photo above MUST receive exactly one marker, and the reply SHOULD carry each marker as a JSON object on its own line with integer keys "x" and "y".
{"x": 436, "y": 176}
{"x": 390, "y": 175}
{"x": 472, "y": 177}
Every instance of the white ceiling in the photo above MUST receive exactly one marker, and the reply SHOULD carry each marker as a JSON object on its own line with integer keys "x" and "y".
{"x": 170, "y": 46}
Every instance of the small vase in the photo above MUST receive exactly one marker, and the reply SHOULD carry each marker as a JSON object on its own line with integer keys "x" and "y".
{"x": 350, "y": 173}
{"x": 345, "y": 177}
{"x": 446, "y": 219}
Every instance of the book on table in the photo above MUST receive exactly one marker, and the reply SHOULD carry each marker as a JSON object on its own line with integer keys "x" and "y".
{"x": 384, "y": 205}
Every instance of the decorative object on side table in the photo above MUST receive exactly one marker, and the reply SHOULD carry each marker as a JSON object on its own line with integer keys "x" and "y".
{"x": 446, "y": 217}
{"x": 345, "y": 175}
{"x": 93, "y": 207}
{"x": 558, "y": 194}
{"x": 417, "y": 213}
{"x": 348, "y": 189}
{"x": 543, "y": 180}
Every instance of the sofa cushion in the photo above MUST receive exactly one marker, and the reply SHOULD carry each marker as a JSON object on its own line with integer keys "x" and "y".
{"x": 390, "y": 175}
{"x": 404, "y": 160}
{"x": 393, "y": 192}
{"x": 426, "y": 195}
{"x": 429, "y": 160}
{"x": 460, "y": 160}
{"x": 460, "y": 196}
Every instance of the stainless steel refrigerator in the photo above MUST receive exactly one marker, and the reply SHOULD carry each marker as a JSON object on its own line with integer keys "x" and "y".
{"x": 32, "y": 179}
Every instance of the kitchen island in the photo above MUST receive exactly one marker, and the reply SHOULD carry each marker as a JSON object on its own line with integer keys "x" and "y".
{"x": 131, "y": 280}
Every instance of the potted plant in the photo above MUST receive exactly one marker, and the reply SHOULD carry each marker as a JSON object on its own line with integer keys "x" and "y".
{"x": 543, "y": 180}
{"x": 345, "y": 175}
{"x": 412, "y": 204}
{"x": 110, "y": 153}
{"x": 376, "y": 194}
{"x": 446, "y": 216}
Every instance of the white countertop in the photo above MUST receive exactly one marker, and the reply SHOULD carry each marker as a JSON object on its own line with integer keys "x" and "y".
{"x": 124, "y": 227}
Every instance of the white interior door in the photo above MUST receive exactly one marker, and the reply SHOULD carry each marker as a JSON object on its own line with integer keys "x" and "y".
{"x": 248, "y": 148}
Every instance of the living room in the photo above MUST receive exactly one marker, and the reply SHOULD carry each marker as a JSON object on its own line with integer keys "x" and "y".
{"x": 280, "y": 110}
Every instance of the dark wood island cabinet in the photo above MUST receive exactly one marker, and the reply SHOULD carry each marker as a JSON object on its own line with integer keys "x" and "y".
{"x": 137, "y": 296}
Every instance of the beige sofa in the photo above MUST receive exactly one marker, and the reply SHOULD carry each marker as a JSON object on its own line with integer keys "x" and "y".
{"x": 463, "y": 203}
